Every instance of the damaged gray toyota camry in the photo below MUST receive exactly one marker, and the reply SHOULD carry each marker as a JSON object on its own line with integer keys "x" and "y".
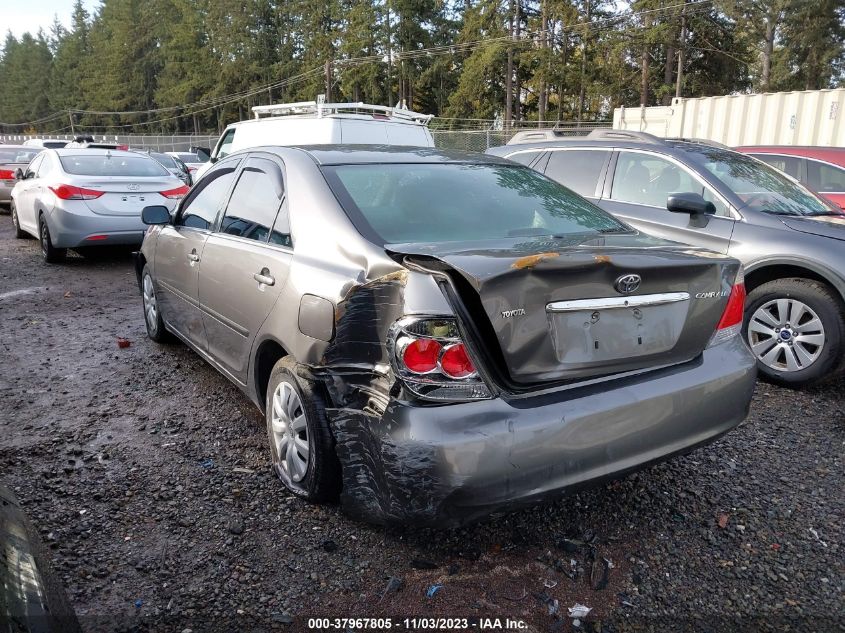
{"x": 437, "y": 336}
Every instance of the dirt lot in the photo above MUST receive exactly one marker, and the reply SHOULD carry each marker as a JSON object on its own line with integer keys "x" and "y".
{"x": 147, "y": 474}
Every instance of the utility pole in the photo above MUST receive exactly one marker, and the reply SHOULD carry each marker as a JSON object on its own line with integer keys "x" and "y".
{"x": 681, "y": 43}
{"x": 389, "y": 60}
{"x": 70, "y": 116}
{"x": 329, "y": 81}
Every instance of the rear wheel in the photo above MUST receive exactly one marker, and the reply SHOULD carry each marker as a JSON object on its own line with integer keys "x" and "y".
{"x": 19, "y": 233}
{"x": 51, "y": 254}
{"x": 152, "y": 314}
{"x": 301, "y": 444}
{"x": 795, "y": 328}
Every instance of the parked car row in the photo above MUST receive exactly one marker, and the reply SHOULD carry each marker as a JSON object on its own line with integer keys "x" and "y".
{"x": 436, "y": 335}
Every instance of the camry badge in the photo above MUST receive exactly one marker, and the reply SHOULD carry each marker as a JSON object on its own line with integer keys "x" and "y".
{"x": 627, "y": 284}
{"x": 134, "y": 187}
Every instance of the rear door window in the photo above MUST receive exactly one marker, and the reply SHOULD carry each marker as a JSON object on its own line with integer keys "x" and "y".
{"x": 790, "y": 165}
{"x": 525, "y": 158}
{"x": 200, "y": 208}
{"x": 255, "y": 201}
{"x": 578, "y": 169}
{"x": 825, "y": 178}
{"x": 649, "y": 180}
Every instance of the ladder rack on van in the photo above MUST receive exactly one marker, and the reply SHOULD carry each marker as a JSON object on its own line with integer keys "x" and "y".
{"x": 326, "y": 109}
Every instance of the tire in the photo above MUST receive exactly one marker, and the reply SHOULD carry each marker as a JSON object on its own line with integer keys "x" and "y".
{"x": 156, "y": 329}
{"x": 51, "y": 254}
{"x": 795, "y": 354}
{"x": 19, "y": 233}
{"x": 319, "y": 479}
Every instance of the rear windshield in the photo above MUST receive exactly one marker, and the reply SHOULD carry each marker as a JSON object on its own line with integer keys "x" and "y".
{"x": 111, "y": 165}
{"x": 17, "y": 154}
{"x": 461, "y": 202}
{"x": 164, "y": 159}
{"x": 189, "y": 158}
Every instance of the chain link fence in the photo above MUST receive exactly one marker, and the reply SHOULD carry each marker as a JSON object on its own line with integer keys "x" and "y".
{"x": 468, "y": 140}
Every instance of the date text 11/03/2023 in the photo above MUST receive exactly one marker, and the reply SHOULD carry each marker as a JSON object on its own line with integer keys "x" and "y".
{"x": 416, "y": 624}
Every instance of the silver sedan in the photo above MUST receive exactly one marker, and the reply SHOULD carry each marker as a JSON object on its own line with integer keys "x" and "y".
{"x": 71, "y": 198}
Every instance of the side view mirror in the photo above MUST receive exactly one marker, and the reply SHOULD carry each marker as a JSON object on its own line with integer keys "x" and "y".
{"x": 692, "y": 203}
{"x": 155, "y": 214}
{"x": 19, "y": 174}
{"x": 203, "y": 153}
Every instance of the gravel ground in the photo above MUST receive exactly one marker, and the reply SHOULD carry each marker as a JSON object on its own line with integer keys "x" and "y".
{"x": 147, "y": 474}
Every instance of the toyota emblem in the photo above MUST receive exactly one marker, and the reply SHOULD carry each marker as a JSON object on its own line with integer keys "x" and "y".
{"x": 627, "y": 284}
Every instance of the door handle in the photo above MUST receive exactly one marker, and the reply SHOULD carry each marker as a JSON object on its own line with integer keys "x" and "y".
{"x": 193, "y": 257}
{"x": 264, "y": 277}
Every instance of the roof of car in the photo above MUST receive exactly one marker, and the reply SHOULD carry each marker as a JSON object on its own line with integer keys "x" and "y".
{"x": 94, "y": 151}
{"x": 834, "y": 155}
{"x": 373, "y": 154}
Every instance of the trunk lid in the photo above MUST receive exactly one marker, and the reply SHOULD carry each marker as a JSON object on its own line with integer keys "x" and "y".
{"x": 127, "y": 195}
{"x": 550, "y": 310}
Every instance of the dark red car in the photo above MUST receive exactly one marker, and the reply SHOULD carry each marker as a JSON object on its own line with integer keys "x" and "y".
{"x": 819, "y": 168}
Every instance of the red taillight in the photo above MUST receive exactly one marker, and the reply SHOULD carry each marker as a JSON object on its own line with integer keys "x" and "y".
{"x": 420, "y": 356}
{"x": 734, "y": 310}
{"x": 179, "y": 192}
{"x": 456, "y": 363}
{"x": 122, "y": 147}
{"x": 69, "y": 192}
{"x": 96, "y": 238}
{"x": 7, "y": 174}
{"x": 731, "y": 322}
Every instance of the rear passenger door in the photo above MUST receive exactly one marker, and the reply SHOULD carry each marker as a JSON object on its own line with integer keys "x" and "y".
{"x": 582, "y": 170}
{"x": 637, "y": 189}
{"x": 245, "y": 263}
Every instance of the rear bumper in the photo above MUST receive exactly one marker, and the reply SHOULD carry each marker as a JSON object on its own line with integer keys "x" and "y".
{"x": 446, "y": 465}
{"x": 69, "y": 229}
{"x": 5, "y": 193}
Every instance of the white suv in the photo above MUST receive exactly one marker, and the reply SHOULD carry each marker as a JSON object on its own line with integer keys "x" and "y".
{"x": 315, "y": 123}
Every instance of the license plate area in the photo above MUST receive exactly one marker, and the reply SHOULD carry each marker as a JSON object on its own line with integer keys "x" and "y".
{"x": 599, "y": 331}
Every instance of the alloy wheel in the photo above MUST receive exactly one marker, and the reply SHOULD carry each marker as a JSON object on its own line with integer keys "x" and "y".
{"x": 150, "y": 304}
{"x": 290, "y": 432}
{"x": 45, "y": 238}
{"x": 786, "y": 335}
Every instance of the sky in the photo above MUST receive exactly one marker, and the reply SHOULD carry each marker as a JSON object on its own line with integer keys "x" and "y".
{"x": 19, "y": 16}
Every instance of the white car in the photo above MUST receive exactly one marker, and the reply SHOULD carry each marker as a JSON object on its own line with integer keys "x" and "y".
{"x": 315, "y": 123}
{"x": 72, "y": 198}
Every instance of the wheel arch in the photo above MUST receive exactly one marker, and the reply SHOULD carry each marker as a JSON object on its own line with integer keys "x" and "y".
{"x": 267, "y": 354}
{"x": 770, "y": 270}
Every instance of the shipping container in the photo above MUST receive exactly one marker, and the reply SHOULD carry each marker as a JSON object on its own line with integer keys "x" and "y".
{"x": 807, "y": 117}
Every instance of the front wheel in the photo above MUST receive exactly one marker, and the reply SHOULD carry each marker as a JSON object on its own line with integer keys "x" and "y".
{"x": 301, "y": 444}
{"x": 51, "y": 254}
{"x": 795, "y": 328}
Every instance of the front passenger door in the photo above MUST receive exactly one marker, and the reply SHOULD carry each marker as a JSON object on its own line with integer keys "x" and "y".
{"x": 642, "y": 182}
{"x": 179, "y": 251}
{"x": 245, "y": 264}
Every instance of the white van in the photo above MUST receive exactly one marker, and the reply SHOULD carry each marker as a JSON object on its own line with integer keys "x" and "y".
{"x": 314, "y": 123}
